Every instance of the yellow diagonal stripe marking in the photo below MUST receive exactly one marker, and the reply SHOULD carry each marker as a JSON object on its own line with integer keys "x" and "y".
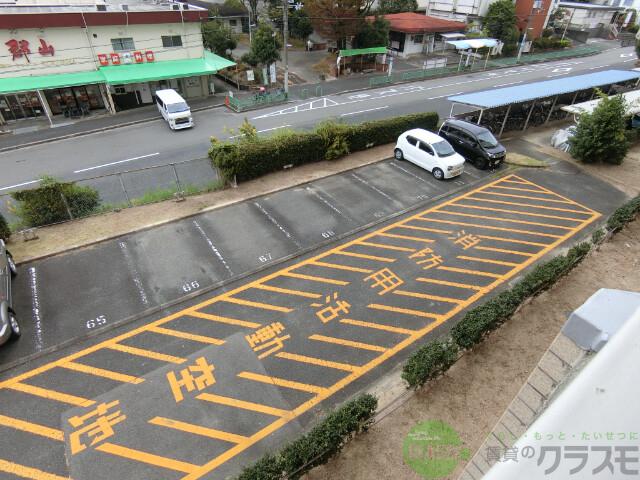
{"x": 146, "y": 353}
{"x": 32, "y": 428}
{"x": 486, "y": 260}
{"x": 451, "y": 284}
{"x": 315, "y": 279}
{"x": 517, "y": 212}
{"x": 427, "y": 296}
{"x": 470, "y": 272}
{"x": 51, "y": 394}
{"x": 503, "y": 250}
{"x": 197, "y": 430}
{"x": 425, "y": 229}
{"x": 27, "y": 472}
{"x": 523, "y": 196}
{"x": 513, "y": 240}
{"x": 406, "y": 237}
{"x": 248, "y": 303}
{"x": 218, "y": 318}
{"x": 317, "y": 361}
{"x": 100, "y": 372}
{"x": 408, "y": 311}
{"x": 543, "y": 207}
{"x": 378, "y": 326}
{"x": 347, "y": 343}
{"x": 389, "y": 247}
{"x": 341, "y": 267}
{"x": 149, "y": 458}
{"x": 281, "y": 382}
{"x": 538, "y": 190}
{"x": 286, "y": 291}
{"x": 464, "y": 224}
{"x": 233, "y": 402}
{"x": 187, "y": 336}
{"x": 508, "y": 220}
{"x": 367, "y": 257}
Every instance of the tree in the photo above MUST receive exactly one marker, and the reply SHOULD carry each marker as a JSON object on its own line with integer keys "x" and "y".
{"x": 299, "y": 24}
{"x": 600, "y": 136}
{"x": 335, "y": 20}
{"x": 373, "y": 33}
{"x": 397, "y": 6}
{"x": 501, "y": 16}
{"x": 265, "y": 47}
{"x": 234, "y": 4}
{"x": 217, "y": 38}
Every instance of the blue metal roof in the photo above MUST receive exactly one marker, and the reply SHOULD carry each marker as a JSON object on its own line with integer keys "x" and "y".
{"x": 498, "y": 97}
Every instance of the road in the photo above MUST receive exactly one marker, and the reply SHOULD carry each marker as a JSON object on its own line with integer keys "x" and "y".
{"x": 153, "y": 143}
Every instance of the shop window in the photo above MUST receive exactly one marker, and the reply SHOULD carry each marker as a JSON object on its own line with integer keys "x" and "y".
{"x": 418, "y": 38}
{"x": 172, "y": 41}
{"x": 122, "y": 44}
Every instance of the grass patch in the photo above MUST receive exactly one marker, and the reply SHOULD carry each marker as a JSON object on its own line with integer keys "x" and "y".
{"x": 517, "y": 159}
{"x": 325, "y": 65}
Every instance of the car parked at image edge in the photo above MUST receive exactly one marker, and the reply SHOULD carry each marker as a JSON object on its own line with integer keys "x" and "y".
{"x": 429, "y": 151}
{"x": 9, "y": 327}
{"x": 474, "y": 142}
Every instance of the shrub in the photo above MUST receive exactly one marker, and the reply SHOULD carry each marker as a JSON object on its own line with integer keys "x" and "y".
{"x": 547, "y": 32}
{"x": 624, "y": 214}
{"x": 55, "y": 201}
{"x": 5, "y": 233}
{"x": 510, "y": 49}
{"x": 428, "y": 362}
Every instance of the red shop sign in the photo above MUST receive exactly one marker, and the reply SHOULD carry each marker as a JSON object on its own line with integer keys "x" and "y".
{"x": 149, "y": 56}
{"x": 137, "y": 56}
{"x": 104, "y": 59}
{"x": 115, "y": 59}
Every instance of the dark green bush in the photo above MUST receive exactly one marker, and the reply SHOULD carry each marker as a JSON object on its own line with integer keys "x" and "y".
{"x": 53, "y": 201}
{"x": 624, "y": 214}
{"x": 5, "y": 233}
{"x": 323, "y": 441}
{"x": 428, "y": 362}
{"x": 510, "y": 49}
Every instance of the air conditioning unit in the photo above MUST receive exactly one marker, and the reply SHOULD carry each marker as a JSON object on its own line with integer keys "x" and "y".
{"x": 101, "y": 7}
{"x": 124, "y": 7}
{"x": 175, "y": 6}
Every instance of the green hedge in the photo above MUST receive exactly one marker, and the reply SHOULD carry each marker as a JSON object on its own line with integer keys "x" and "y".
{"x": 5, "y": 233}
{"x": 429, "y": 361}
{"x": 52, "y": 201}
{"x": 624, "y": 214}
{"x": 316, "y": 447}
{"x": 252, "y": 157}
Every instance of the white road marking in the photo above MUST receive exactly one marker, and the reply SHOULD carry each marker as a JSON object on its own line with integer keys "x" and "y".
{"x": 363, "y": 111}
{"x": 601, "y": 66}
{"x": 134, "y": 272}
{"x": 505, "y": 84}
{"x": 213, "y": 247}
{"x": 447, "y": 95}
{"x": 116, "y": 163}
{"x": 19, "y": 185}
{"x": 275, "y": 222}
{"x": 265, "y": 130}
{"x": 36, "y": 308}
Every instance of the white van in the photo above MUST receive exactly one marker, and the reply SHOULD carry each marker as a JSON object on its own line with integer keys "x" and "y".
{"x": 174, "y": 109}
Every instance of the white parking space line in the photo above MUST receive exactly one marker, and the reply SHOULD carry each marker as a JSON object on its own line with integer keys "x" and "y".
{"x": 116, "y": 163}
{"x": 19, "y": 185}
{"x": 443, "y": 96}
{"x": 363, "y": 111}
{"x": 36, "y": 308}
{"x": 505, "y": 84}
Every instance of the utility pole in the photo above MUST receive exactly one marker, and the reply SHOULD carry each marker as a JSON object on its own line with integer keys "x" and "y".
{"x": 285, "y": 31}
{"x": 524, "y": 38}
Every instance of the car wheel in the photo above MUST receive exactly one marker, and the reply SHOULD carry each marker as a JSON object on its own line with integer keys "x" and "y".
{"x": 480, "y": 163}
{"x": 15, "y": 327}
{"x": 12, "y": 265}
{"x": 438, "y": 174}
{"x": 398, "y": 154}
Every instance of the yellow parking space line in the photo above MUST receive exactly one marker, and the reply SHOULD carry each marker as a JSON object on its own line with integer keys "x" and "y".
{"x": 377, "y": 326}
{"x": 347, "y": 343}
{"x": 557, "y": 209}
{"x": 470, "y": 272}
{"x": 424, "y": 229}
{"x": 288, "y": 291}
{"x": 390, "y": 247}
{"x": 366, "y": 257}
{"x": 146, "y": 353}
{"x": 218, "y": 318}
{"x": 318, "y": 361}
{"x": 408, "y": 311}
{"x": 32, "y": 428}
{"x": 519, "y": 212}
{"x": 492, "y": 228}
{"x": 513, "y": 240}
{"x": 50, "y": 394}
{"x": 315, "y": 279}
{"x": 502, "y": 250}
{"x": 145, "y": 457}
{"x": 248, "y": 303}
{"x": 232, "y": 402}
{"x": 523, "y": 182}
{"x": 524, "y": 196}
{"x": 538, "y": 190}
{"x": 427, "y": 296}
{"x": 281, "y": 382}
{"x": 593, "y": 212}
{"x": 453, "y": 284}
{"x": 197, "y": 430}
{"x": 509, "y": 220}
{"x": 100, "y": 372}
{"x": 27, "y": 472}
{"x": 187, "y": 336}
{"x": 486, "y": 260}
{"x": 406, "y": 237}
{"x": 341, "y": 267}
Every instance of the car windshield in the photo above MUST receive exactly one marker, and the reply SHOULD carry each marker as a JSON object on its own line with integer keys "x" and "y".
{"x": 177, "y": 107}
{"x": 443, "y": 148}
{"x": 487, "y": 140}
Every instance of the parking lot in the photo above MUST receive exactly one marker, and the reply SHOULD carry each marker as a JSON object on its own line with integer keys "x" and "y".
{"x": 194, "y": 391}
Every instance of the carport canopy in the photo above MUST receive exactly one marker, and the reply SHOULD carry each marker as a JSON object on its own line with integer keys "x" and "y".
{"x": 473, "y": 43}
{"x": 362, "y": 51}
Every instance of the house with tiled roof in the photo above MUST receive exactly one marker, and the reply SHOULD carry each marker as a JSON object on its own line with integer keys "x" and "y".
{"x": 414, "y": 33}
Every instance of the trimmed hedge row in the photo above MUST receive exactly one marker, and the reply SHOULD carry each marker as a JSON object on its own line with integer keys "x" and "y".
{"x": 316, "y": 447}
{"x": 251, "y": 157}
{"x": 624, "y": 214}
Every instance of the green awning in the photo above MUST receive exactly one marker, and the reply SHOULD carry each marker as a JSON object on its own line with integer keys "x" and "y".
{"x": 116, "y": 74}
{"x": 26, "y": 84}
{"x": 147, "y": 71}
{"x": 363, "y": 51}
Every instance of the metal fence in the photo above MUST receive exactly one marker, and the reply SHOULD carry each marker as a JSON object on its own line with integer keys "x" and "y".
{"x": 255, "y": 100}
{"x": 118, "y": 190}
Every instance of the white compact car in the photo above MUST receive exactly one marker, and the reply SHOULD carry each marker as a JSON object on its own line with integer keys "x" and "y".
{"x": 429, "y": 151}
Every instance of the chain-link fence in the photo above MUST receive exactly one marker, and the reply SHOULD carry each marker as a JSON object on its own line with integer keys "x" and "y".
{"x": 54, "y": 201}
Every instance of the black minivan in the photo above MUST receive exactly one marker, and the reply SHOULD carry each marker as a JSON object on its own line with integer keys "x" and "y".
{"x": 474, "y": 142}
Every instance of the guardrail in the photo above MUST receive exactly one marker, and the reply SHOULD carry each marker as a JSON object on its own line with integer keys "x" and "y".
{"x": 257, "y": 100}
